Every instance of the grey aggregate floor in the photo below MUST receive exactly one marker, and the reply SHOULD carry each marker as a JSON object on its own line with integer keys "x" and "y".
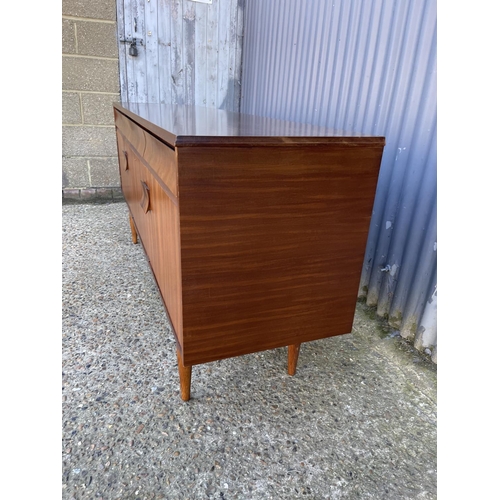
{"x": 358, "y": 420}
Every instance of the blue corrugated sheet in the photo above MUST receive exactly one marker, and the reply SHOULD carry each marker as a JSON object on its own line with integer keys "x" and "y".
{"x": 365, "y": 66}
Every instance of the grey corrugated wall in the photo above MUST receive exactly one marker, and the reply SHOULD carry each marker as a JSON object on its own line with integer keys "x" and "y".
{"x": 365, "y": 66}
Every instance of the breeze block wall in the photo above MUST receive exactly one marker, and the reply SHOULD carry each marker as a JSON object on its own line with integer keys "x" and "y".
{"x": 90, "y": 83}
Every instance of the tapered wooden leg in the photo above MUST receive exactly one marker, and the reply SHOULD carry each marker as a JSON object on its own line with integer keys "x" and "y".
{"x": 185, "y": 378}
{"x": 132, "y": 228}
{"x": 293, "y": 356}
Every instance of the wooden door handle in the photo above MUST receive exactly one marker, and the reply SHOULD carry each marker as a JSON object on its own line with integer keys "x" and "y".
{"x": 145, "y": 202}
{"x": 126, "y": 159}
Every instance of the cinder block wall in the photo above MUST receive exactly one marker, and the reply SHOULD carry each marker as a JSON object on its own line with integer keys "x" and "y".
{"x": 90, "y": 84}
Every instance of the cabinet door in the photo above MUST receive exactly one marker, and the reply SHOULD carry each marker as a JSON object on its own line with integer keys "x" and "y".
{"x": 156, "y": 217}
{"x": 162, "y": 246}
{"x": 126, "y": 173}
{"x": 132, "y": 172}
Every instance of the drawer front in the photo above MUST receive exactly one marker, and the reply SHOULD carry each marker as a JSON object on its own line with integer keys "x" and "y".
{"x": 131, "y": 131}
{"x": 162, "y": 161}
{"x": 159, "y": 157}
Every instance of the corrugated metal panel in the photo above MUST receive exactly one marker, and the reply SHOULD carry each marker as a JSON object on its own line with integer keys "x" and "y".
{"x": 188, "y": 52}
{"x": 365, "y": 66}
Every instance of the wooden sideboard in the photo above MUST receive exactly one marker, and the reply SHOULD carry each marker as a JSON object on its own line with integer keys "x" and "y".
{"x": 255, "y": 229}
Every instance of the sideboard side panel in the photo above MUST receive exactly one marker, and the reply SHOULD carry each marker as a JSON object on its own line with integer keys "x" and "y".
{"x": 272, "y": 244}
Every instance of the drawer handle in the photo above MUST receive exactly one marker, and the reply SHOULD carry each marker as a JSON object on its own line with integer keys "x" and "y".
{"x": 126, "y": 160}
{"x": 145, "y": 198}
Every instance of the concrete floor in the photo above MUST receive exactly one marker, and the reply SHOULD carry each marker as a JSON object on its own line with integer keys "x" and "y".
{"x": 358, "y": 420}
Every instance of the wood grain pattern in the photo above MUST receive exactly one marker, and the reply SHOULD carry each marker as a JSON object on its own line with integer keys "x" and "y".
{"x": 133, "y": 230}
{"x": 157, "y": 227}
{"x": 134, "y": 196}
{"x": 188, "y": 126}
{"x": 126, "y": 177}
{"x": 131, "y": 131}
{"x": 255, "y": 242}
{"x": 184, "y": 378}
{"x": 293, "y": 356}
{"x": 159, "y": 157}
{"x": 164, "y": 251}
{"x": 272, "y": 245}
{"x": 162, "y": 161}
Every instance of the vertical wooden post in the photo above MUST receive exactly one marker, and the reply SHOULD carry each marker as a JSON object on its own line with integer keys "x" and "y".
{"x": 293, "y": 356}
{"x": 185, "y": 378}
{"x": 132, "y": 229}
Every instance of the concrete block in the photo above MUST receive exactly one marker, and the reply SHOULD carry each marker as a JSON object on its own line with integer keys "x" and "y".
{"x": 98, "y": 108}
{"x": 88, "y": 141}
{"x": 68, "y": 37}
{"x": 96, "y": 39}
{"x": 88, "y": 74}
{"x": 94, "y": 9}
{"x": 75, "y": 172}
{"x": 104, "y": 172}
{"x": 71, "y": 110}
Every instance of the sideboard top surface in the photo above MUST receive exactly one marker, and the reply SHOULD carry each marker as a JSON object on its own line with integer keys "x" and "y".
{"x": 187, "y": 125}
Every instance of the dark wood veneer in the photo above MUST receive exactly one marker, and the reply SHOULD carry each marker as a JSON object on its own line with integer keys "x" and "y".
{"x": 256, "y": 239}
